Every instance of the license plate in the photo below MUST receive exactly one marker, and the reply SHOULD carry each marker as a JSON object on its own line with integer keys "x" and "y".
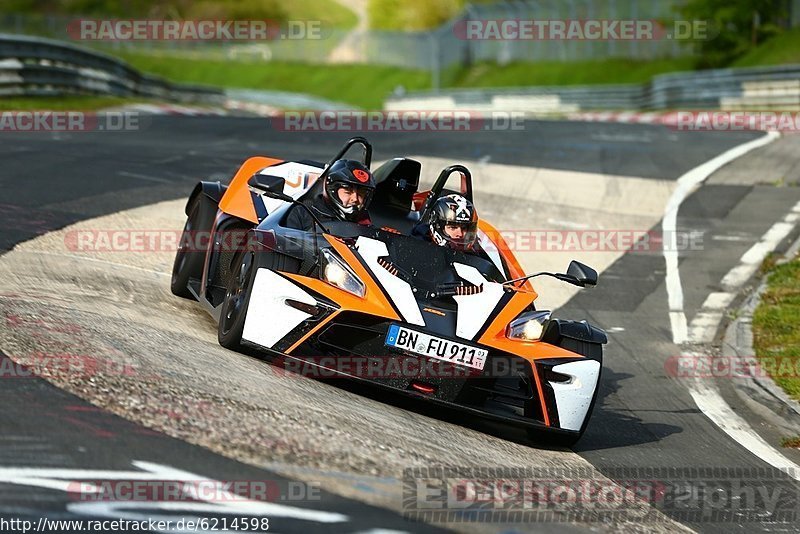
{"x": 436, "y": 347}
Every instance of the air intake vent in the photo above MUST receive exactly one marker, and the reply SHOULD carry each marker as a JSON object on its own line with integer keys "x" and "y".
{"x": 386, "y": 264}
{"x": 469, "y": 289}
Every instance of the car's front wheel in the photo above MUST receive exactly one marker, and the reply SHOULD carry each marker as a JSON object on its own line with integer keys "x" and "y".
{"x": 237, "y": 298}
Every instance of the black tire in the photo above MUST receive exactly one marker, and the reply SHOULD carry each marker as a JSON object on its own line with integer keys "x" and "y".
{"x": 240, "y": 286}
{"x": 237, "y": 298}
{"x": 188, "y": 260}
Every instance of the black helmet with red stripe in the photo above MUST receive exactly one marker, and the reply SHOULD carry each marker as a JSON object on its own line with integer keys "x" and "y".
{"x": 358, "y": 184}
{"x": 454, "y": 223}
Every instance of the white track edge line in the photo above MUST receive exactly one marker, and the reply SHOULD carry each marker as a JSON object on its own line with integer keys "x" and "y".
{"x": 686, "y": 184}
{"x": 708, "y": 399}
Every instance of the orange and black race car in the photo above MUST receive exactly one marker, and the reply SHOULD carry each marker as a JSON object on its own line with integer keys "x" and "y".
{"x": 375, "y": 303}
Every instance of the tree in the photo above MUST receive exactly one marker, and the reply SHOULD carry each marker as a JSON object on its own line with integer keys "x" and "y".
{"x": 739, "y": 26}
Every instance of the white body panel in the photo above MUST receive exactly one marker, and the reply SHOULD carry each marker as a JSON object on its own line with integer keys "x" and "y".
{"x": 574, "y": 397}
{"x": 398, "y": 290}
{"x": 268, "y": 318}
{"x": 299, "y": 178}
{"x": 474, "y": 310}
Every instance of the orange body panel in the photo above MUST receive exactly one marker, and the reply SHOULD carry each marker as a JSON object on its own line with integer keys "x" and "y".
{"x": 515, "y": 269}
{"x": 374, "y": 302}
{"x": 495, "y": 337}
{"x": 237, "y": 200}
{"x": 345, "y": 300}
{"x": 379, "y": 307}
{"x": 495, "y": 334}
{"x": 312, "y": 331}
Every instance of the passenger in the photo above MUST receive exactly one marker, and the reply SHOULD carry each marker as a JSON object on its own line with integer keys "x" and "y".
{"x": 453, "y": 223}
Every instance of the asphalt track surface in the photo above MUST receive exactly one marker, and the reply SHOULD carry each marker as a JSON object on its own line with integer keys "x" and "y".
{"x": 644, "y": 418}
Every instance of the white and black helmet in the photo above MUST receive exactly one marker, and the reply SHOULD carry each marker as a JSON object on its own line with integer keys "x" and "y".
{"x": 454, "y": 210}
{"x": 353, "y": 174}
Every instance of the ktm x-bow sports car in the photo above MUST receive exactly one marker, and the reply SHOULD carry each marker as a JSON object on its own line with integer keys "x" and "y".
{"x": 376, "y": 303}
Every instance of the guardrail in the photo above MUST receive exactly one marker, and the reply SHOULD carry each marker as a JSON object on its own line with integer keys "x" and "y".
{"x": 756, "y": 88}
{"x": 33, "y": 66}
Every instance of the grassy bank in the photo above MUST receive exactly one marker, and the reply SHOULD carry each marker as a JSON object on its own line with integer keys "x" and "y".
{"x": 64, "y": 103}
{"x": 364, "y": 86}
{"x": 781, "y": 50}
{"x": 607, "y": 71}
{"x": 330, "y": 12}
{"x": 367, "y": 86}
{"x": 776, "y": 334}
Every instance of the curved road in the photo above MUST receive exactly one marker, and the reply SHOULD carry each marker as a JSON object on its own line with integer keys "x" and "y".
{"x": 644, "y": 418}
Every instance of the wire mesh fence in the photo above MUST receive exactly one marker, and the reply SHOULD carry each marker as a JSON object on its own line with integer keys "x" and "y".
{"x": 437, "y": 49}
{"x": 577, "y": 49}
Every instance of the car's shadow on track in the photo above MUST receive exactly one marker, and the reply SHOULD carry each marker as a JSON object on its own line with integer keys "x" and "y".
{"x": 615, "y": 426}
{"x": 608, "y": 427}
{"x": 440, "y": 413}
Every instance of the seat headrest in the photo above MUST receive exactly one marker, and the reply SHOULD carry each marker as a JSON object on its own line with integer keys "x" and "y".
{"x": 397, "y": 181}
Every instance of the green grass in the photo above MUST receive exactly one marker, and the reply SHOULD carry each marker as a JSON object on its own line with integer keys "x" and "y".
{"x": 332, "y": 13}
{"x": 782, "y": 49}
{"x": 408, "y": 15}
{"x": 64, "y": 103}
{"x": 776, "y": 330}
{"x": 367, "y": 86}
{"x": 363, "y": 86}
{"x": 575, "y": 73}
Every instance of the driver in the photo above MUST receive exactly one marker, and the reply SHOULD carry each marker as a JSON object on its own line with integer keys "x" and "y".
{"x": 453, "y": 223}
{"x": 345, "y": 196}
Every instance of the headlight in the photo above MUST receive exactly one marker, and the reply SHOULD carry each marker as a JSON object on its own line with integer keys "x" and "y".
{"x": 528, "y": 326}
{"x": 336, "y": 272}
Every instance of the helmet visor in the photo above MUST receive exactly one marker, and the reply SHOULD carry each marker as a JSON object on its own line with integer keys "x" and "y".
{"x": 461, "y": 235}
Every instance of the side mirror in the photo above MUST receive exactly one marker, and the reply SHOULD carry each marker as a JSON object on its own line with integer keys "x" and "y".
{"x": 583, "y": 274}
{"x": 271, "y": 186}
